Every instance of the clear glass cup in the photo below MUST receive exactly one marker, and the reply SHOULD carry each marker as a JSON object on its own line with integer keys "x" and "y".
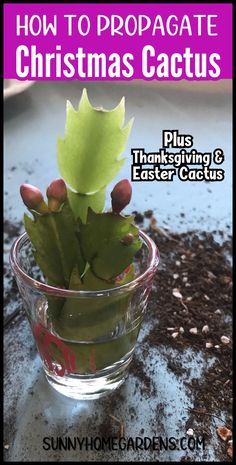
{"x": 85, "y": 339}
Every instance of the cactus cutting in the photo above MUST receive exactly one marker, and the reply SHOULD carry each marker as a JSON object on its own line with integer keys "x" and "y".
{"x": 70, "y": 233}
{"x": 92, "y": 268}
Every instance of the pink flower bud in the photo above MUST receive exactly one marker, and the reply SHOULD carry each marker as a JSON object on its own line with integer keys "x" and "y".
{"x": 57, "y": 194}
{"x": 121, "y": 195}
{"x": 128, "y": 239}
{"x": 31, "y": 196}
{"x": 57, "y": 190}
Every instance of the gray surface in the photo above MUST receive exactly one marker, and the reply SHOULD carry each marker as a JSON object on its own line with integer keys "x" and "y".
{"x": 32, "y": 121}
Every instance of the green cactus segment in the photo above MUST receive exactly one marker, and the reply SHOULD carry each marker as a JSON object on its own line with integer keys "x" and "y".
{"x": 75, "y": 281}
{"x": 127, "y": 276}
{"x": 88, "y": 156}
{"x": 55, "y": 244}
{"x": 102, "y": 246}
{"x": 101, "y": 228}
{"x": 105, "y": 268}
{"x": 55, "y": 305}
{"x": 81, "y": 202}
{"x": 92, "y": 282}
{"x": 90, "y": 317}
{"x": 103, "y": 354}
{"x": 97, "y": 356}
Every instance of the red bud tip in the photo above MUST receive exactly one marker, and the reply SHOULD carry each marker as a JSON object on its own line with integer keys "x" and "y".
{"x": 57, "y": 194}
{"x": 57, "y": 190}
{"x": 31, "y": 196}
{"x": 121, "y": 195}
{"x": 128, "y": 239}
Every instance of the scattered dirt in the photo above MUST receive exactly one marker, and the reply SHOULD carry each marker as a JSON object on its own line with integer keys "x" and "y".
{"x": 148, "y": 214}
{"x": 11, "y": 231}
{"x": 138, "y": 217}
{"x": 137, "y": 368}
{"x": 193, "y": 289}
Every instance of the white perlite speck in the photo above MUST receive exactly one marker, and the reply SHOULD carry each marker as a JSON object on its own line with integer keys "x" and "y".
{"x": 177, "y": 294}
{"x": 211, "y": 275}
{"x": 174, "y": 335}
{"x": 209, "y": 345}
{"x": 218, "y": 311}
{"x": 225, "y": 340}
{"x": 205, "y": 329}
{"x": 181, "y": 329}
{"x": 189, "y": 432}
{"x": 193, "y": 330}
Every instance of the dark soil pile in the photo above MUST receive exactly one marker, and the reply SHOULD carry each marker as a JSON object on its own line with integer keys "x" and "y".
{"x": 191, "y": 307}
{"x": 192, "y": 296}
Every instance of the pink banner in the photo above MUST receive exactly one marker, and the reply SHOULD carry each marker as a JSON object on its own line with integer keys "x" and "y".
{"x": 118, "y": 41}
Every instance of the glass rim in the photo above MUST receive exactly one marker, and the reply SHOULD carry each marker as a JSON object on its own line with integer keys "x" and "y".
{"x": 153, "y": 262}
